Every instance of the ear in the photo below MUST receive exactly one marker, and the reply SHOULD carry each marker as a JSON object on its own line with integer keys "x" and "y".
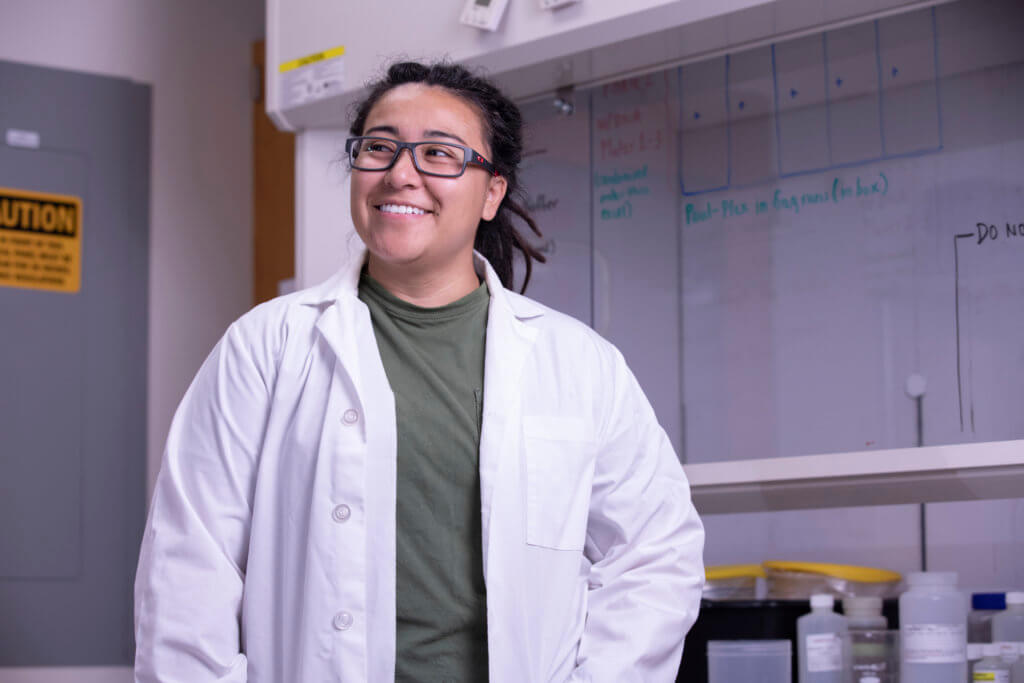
{"x": 496, "y": 188}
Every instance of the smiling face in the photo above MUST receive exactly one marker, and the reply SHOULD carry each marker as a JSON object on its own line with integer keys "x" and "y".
{"x": 414, "y": 222}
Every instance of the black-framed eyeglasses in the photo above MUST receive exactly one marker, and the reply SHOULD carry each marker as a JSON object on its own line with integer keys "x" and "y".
{"x": 444, "y": 159}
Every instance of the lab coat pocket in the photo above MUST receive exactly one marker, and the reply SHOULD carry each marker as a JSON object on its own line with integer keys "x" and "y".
{"x": 559, "y": 457}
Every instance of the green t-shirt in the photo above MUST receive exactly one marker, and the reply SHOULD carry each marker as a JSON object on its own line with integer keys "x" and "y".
{"x": 434, "y": 361}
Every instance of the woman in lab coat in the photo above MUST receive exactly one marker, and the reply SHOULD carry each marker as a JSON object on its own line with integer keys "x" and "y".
{"x": 410, "y": 472}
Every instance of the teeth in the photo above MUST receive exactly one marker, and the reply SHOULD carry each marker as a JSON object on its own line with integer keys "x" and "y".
{"x": 401, "y": 208}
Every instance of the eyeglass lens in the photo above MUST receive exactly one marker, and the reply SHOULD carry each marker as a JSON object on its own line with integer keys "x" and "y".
{"x": 370, "y": 154}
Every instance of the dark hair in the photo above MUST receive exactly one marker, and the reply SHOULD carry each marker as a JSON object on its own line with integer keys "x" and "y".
{"x": 496, "y": 239}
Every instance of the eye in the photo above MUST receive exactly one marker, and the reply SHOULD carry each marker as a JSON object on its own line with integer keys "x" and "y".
{"x": 378, "y": 146}
{"x": 439, "y": 151}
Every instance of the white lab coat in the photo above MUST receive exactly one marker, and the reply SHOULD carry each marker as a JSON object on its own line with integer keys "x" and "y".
{"x": 269, "y": 553}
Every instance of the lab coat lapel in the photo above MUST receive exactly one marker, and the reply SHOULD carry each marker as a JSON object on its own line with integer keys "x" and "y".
{"x": 342, "y": 338}
{"x": 341, "y": 323}
{"x": 346, "y": 326}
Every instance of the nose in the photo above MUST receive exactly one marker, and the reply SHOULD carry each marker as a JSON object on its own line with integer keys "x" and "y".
{"x": 403, "y": 172}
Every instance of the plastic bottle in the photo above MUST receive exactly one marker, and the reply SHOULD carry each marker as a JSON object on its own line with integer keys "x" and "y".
{"x": 871, "y": 649}
{"x": 991, "y": 668}
{"x": 973, "y": 655}
{"x": 933, "y": 629}
{"x": 819, "y": 637}
{"x": 1008, "y": 626}
{"x": 1008, "y": 632}
{"x": 872, "y": 653}
{"x": 864, "y": 613}
{"x": 1013, "y": 654}
{"x": 984, "y": 606}
{"x": 1017, "y": 667}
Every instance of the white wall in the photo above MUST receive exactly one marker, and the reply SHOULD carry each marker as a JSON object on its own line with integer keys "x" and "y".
{"x": 324, "y": 235}
{"x": 196, "y": 55}
{"x": 527, "y": 36}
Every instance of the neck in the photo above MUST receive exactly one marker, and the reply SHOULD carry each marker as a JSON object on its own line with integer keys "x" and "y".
{"x": 426, "y": 288}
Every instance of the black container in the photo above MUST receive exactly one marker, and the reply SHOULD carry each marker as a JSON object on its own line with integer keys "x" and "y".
{"x": 749, "y": 620}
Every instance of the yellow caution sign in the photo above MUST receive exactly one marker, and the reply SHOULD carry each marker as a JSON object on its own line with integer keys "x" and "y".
{"x": 40, "y": 240}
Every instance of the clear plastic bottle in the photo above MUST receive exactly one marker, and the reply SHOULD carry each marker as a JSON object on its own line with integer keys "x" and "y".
{"x": 1010, "y": 652}
{"x": 1008, "y": 632}
{"x": 984, "y": 606}
{"x": 1008, "y": 626}
{"x": 1013, "y": 654}
{"x": 991, "y": 668}
{"x": 872, "y": 653}
{"x": 871, "y": 648}
{"x": 819, "y": 637}
{"x": 933, "y": 629}
{"x": 974, "y": 653}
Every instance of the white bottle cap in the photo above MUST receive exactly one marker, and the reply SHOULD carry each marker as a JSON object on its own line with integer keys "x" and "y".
{"x": 974, "y": 651}
{"x": 822, "y": 600}
{"x": 991, "y": 650}
{"x": 1015, "y": 598}
{"x": 932, "y": 578}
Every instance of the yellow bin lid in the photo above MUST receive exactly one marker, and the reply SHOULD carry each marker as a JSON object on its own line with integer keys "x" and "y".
{"x": 733, "y": 571}
{"x": 847, "y": 572}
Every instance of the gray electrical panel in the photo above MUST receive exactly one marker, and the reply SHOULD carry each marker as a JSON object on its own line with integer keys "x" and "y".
{"x": 72, "y": 363}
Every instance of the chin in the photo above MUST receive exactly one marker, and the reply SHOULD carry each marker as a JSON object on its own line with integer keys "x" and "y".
{"x": 393, "y": 245}
{"x": 395, "y": 251}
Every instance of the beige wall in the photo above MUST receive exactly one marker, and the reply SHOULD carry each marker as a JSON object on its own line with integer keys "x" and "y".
{"x": 195, "y": 54}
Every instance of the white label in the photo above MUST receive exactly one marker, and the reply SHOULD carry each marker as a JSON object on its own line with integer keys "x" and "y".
{"x": 485, "y": 14}
{"x": 824, "y": 652}
{"x": 1010, "y": 651}
{"x": 312, "y": 82}
{"x": 993, "y": 675}
{"x": 22, "y": 138}
{"x": 934, "y": 643}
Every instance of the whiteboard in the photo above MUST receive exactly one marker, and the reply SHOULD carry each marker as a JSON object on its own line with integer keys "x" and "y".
{"x": 777, "y": 239}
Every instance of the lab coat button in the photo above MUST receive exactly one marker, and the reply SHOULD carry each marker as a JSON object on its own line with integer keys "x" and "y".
{"x": 350, "y": 417}
{"x": 341, "y": 513}
{"x": 342, "y": 621}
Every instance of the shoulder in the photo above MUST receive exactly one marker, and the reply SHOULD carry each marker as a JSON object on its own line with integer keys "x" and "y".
{"x": 574, "y": 366}
{"x": 562, "y": 332}
{"x": 298, "y": 312}
{"x": 283, "y": 323}
{"x": 273, "y": 321}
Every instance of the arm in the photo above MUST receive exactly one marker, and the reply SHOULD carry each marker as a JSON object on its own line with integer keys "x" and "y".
{"x": 645, "y": 542}
{"x": 191, "y": 572}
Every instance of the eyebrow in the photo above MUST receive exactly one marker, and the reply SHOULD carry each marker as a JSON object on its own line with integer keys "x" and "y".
{"x": 427, "y": 133}
{"x": 442, "y": 134}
